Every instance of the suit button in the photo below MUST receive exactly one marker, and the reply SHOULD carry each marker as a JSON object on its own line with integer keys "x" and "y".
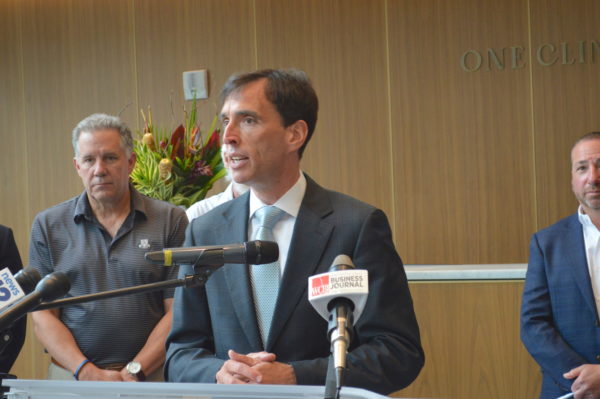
{"x": 597, "y": 357}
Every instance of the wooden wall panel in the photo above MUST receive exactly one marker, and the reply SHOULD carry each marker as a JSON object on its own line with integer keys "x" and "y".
{"x": 470, "y": 333}
{"x": 565, "y": 96}
{"x": 77, "y": 60}
{"x": 15, "y": 157}
{"x": 341, "y": 45}
{"x": 173, "y": 37}
{"x": 462, "y": 140}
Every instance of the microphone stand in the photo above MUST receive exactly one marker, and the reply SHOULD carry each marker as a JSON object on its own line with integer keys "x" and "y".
{"x": 194, "y": 280}
{"x": 331, "y": 391}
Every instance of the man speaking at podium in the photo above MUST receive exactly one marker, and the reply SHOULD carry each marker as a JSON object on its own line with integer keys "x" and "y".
{"x": 254, "y": 324}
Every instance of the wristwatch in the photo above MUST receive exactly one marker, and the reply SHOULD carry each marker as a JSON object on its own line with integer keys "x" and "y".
{"x": 135, "y": 369}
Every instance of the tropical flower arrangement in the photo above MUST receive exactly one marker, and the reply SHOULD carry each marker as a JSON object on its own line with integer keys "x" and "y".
{"x": 179, "y": 167}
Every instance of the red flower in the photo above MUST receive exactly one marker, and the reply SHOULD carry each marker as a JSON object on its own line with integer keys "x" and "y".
{"x": 201, "y": 168}
{"x": 177, "y": 142}
{"x": 195, "y": 137}
{"x": 213, "y": 142}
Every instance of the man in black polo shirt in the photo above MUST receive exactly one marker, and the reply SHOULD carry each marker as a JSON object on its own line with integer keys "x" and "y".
{"x": 99, "y": 239}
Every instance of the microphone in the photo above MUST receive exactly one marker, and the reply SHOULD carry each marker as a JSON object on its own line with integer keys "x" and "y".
{"x": 251, "y": 252}
{"x": 339, "y": 296}
{"x": 28, "y": 278}
{"x": 13, "y": 288}
{"x": 53, "y": 286}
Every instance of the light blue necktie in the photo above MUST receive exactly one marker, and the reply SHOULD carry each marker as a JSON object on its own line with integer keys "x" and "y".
{"x": 265, "y": 278}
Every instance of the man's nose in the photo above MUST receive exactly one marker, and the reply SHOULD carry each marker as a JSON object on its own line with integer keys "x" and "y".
{"x": 230, "y": 134}
{"x": 100, "y": 168}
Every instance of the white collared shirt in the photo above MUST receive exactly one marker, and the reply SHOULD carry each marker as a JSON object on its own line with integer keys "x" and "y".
{"x": 591, "y": 238}
{"x": 201, "y": 207}
{"x": 290, "y": 203}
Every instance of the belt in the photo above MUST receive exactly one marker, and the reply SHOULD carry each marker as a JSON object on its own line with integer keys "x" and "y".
{"x": 110, "y": 366}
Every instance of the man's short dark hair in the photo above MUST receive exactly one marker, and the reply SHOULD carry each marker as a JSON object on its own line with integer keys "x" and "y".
{"x": 289, "y": 90}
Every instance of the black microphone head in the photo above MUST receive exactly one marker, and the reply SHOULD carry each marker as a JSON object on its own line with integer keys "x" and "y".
{"x": 53, "y": 286}
{"x": 342, "y": 262}
{"x": 157, "y": 257}
{"x": 261, "y": 252}
{"x": 27, "y": 279}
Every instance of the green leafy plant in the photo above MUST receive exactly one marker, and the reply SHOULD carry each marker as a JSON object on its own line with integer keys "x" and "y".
{"x": 179, "y": 167}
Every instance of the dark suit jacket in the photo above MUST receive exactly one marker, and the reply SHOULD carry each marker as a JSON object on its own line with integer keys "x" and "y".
{"x": 386, "y": 354}
{"x": 9, "y": 257}
{"x": 559, "y": 321}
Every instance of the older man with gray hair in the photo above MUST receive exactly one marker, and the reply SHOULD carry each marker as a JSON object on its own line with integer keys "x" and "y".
{"x": 99, "y": 239}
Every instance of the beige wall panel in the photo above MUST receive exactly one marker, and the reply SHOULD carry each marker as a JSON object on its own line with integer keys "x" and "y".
{"x": 470, "y": 333}
{"x": 77, "y": 58}
{"x": 462, "y": 140}
{"x": 15, "y": 157}
{"x": 341, "y": 45}
{"x": 565, "y": 96}
{"x": 32, "y": 362}
{"x": 173, "y": 37}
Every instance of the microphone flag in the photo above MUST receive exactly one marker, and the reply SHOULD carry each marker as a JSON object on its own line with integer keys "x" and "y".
{"x": 10, "y": 291}
{"x": 352, "y": 284}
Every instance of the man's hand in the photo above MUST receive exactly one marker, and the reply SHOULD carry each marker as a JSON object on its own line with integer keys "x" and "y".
{"x": 259, "y": 356}
{"x": 255, "y": 368}
{"x": 587, "y": 381}
{"x": 238, "y": 369}
{"x": 90, "y": 372}
{"x": 126, "y": 376}
{"x": 276, "y": 373}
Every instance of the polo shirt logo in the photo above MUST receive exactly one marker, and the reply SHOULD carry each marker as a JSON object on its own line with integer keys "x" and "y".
{"x": 144, "y": 243}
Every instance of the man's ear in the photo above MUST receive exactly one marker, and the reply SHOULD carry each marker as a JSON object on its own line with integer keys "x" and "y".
{"x": 298, "y": 132}
{"x": 131, "y": 161}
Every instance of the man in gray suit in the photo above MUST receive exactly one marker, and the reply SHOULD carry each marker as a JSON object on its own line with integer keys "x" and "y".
{"x": 219, "y": 331}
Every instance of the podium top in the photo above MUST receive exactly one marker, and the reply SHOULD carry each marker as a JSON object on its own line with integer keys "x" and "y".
{"x": 38, "y": 389}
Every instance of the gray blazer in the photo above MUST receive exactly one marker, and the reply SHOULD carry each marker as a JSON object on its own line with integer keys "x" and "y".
{"x": 386, "y": 353}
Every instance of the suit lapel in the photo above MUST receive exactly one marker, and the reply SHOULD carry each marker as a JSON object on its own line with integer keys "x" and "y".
{"x": 309, "y": 240}
{"x": 237, "y": 276}
{"x": 576, "y": 257}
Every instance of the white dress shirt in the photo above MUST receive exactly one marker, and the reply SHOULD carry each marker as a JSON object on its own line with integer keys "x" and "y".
{"x": 591, "y": 238}
{"x": 205, "y": 205}
{"x": 290, "y": 203}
